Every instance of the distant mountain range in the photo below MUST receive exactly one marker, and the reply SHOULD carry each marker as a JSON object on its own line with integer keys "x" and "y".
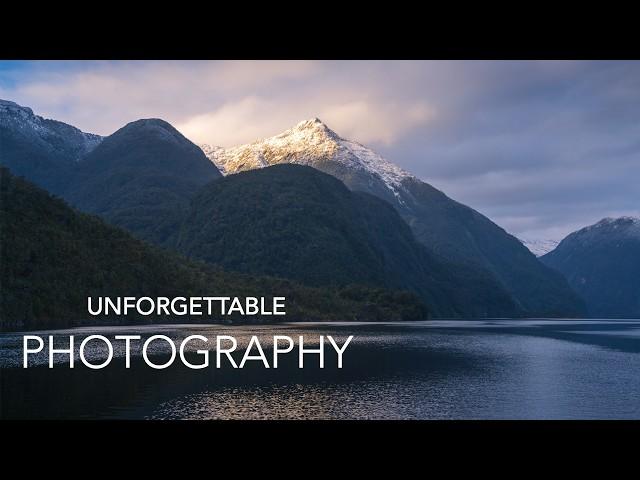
{"x": 602, "y": 263}
{"x": 387, "y": 229}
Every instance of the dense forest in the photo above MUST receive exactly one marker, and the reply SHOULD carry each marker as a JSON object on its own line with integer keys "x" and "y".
{"x": 53, "y": 257}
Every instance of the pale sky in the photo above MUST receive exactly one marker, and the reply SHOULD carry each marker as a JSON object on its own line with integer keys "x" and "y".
{"x": 542, "y": 148}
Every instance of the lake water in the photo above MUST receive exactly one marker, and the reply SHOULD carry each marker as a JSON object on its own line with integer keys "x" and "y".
{"x": 489, "y": 369}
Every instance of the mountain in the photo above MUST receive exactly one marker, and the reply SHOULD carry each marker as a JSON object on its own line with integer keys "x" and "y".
{"x": 602, "y": 263}
{"x": 539, "y": 247}
{"x": 447, "y": 228}
{"x": 54, "y": 257}
{"x": 42, "y": 150}
{"x": 296, "y": 222}
{"x": 141, "y": 178}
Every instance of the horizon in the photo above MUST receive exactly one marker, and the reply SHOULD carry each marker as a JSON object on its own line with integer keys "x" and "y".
{"x": 541, "y": 148}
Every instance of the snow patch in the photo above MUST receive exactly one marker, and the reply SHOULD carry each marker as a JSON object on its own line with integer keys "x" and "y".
{"x": 539, "y": 247}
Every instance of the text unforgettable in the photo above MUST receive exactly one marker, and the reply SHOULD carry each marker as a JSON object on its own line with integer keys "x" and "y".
{"x": 192, "y": 306}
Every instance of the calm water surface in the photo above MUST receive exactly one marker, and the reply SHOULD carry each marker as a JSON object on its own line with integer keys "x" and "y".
{"x": 489, "y": 369}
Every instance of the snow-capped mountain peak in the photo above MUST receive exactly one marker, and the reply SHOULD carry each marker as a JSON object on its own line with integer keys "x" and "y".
{"x": 7, "y": 106}
{"x": 620, "y": 226}
{"x": 311, "y": 129}
{"x": 52, "y": 134}
{"x": 310, "y": 142}
{"x": 624, "y": 221}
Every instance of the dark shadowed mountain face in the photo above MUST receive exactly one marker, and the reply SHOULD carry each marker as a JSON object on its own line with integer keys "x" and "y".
{"x": 141, "y": 178}
{"x": 445, "y": 227}
{"x": 296, "y": 222}
{"x": 54, "y": 257}
{"x": 44, "y": 151}
{"x": 602, "y": 263}
{"x": 460, "y": 233}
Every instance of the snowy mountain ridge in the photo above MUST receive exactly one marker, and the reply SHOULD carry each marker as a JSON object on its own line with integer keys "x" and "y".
{"x": 608, "y": 230}
{"x": 307, "y": 143}
{"x": 631, "y": 224}
{"x": 608, "y": 227}
{"x": 52, "y": 134}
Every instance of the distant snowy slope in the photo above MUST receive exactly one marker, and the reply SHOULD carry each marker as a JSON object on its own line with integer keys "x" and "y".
{"x": 540, "y": 247}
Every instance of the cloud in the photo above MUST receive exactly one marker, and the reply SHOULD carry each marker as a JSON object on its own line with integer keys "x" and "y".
{"x": 237, "y": 122}
{"x": 103, "y": 96}
{"x": 252, "y": 118}
{"x": 223, "y": 103}
{"x": 375, "y": 122}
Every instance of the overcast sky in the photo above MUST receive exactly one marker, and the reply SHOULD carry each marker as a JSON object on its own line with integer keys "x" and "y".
{"x": 542, "y": 148}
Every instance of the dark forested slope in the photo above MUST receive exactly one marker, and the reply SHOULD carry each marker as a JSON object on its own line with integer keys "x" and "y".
{"x": 53, "y": 257}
